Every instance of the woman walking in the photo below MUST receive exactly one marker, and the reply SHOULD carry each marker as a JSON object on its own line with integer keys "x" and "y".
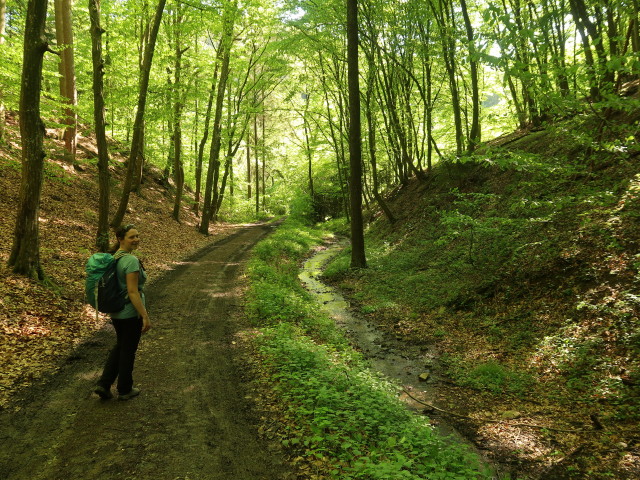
{"x": 130, "y": 323}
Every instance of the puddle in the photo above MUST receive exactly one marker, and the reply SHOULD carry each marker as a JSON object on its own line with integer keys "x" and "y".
{"x": 404, "y": 364}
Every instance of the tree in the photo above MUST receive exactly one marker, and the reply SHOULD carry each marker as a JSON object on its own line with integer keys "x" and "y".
{"x": 203, "y": 141}
{"x": 138, "y": 126}
{"x": 25, "y": 251}
{"x": 358, "y": 258}
{"x": 64, "y": 37}
{"x": 224, "y": 57}
{"x": 474, "y": 134}
{"x": 176, "y": 140}
{"x": 3, "y": 24}
{"x": 102, "y": 236}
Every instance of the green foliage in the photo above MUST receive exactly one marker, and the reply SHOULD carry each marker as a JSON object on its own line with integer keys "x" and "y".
{"x": 302, "y": 207}
{"x": 351, "y": 418}
{"x": 338, "y": 410}
{"x": 339, "y": 266}
{"x": 491, "y": 376}
{"x": 56, "y": 173}
{"x": 276, "y": 294}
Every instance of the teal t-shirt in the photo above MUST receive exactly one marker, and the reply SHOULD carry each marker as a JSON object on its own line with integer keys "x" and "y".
{"x": 128, "y": 263}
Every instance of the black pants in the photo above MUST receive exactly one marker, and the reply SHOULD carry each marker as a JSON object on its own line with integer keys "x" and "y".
{"x": 122, "y": 356}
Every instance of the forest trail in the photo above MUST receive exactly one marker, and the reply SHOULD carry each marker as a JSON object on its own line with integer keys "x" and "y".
{"x": 191, "y": 421}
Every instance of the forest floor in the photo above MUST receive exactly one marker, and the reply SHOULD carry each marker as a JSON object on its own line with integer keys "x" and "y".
{"x": 193, "y": 419}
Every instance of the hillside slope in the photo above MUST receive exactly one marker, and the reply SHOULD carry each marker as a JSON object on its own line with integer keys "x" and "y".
{"x": 39, "y": 326}
{"x": 522, "y": 266}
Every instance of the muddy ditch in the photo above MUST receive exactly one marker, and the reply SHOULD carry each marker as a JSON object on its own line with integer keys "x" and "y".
{"x": 414, "y": 368}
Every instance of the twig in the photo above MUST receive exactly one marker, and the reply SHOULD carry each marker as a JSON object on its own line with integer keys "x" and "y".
{"x": 490, "y": 420}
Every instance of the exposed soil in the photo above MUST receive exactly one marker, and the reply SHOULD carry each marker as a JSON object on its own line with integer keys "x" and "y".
{"x": 192, "y": 420}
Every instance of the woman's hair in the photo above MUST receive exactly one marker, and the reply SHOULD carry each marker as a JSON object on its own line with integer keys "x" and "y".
{"x": 120, "y": 232}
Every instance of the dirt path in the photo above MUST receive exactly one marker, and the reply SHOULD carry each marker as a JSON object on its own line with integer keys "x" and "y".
{"x": 191, "y": 421}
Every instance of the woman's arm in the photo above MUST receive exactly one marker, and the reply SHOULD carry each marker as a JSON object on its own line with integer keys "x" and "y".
{"x": 136, "y": 299}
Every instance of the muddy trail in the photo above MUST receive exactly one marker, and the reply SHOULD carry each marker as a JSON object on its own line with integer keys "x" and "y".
{"x": 191, "y": 421}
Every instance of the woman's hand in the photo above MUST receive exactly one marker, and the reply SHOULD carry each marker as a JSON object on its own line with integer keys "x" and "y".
{"x": 146, "y": 323}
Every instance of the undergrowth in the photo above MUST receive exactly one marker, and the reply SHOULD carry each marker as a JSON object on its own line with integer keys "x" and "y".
{"x": 338, "y": 412}
{"x": 523, "y": 269}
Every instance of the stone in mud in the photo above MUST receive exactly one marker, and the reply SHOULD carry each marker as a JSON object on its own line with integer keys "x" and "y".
{"x": 510, "y": 415}
{"x": 423, "y": 377}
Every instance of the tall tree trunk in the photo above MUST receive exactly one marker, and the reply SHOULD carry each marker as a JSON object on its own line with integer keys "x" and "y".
{"x": 248, "y": 164}
{"x": 64, "y": 37}
{"x": 224, "y": 54}
{"x": 358, "y": 257}
{"x": 203, "y": 142}
{"x": 3, "y": 24}
{"x": 102, "y": 236}
{"x": 144, "y": 41}
{"x": 371, "y": 126}
{"x": 586, "y": 45}
{"x": 474, "y": 134}
{"x": 307, "y": 144}
{"x": 138, "y": 126}
{"x": 256, "y": 152}
{"x": 178, "y": 167}
{"x": 336, "y": 139}
{"x": 25, "y": 251}
{"x": 264, "y": 161}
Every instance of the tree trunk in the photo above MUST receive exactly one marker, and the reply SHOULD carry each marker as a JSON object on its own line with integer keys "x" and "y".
{"x": 64, "y": 37}
{"x": 102, "y": 236}
{"x": 144, "y": 41}
{"x": 178, "y": 168}
{"x": 307, "y": 145}
{"x": 264, "y": 161}
{"x": 336, "y": 139}
{"x": 358, "y": 257}
{"x": 474, "y": 134}
{"x": 25, "y": 251}
{"x": 248, "y": 164}
{"x": 372, "y": 147}
{"x": 224, "y": 54}
{"x": 3, "y": 24}
{"x": 588, "y": 54}
{"x": 136, "y": 142}
{"x": 256, "y": 151}
{"x": 203, "y": 142}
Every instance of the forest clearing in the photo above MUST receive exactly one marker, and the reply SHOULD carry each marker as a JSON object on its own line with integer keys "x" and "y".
{"x": 467, "y": 172}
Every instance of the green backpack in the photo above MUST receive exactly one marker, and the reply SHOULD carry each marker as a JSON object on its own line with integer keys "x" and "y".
{"x": 102, "y": 288}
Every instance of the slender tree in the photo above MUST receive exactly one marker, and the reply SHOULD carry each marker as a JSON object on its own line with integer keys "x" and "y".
{"x": 474, "y": 134}
{"x": 25, "y": 251}
{"x": 224, "y": 57}
{"x": 136, "y": 142}
{"x": 203, "y": 141}
{"x": 64, "y": 37}
{"x": 176, "y": 141}
{"x": 3, "y": 25}
{"x": 102, "y": 236}
{"x": 358, "y": 257}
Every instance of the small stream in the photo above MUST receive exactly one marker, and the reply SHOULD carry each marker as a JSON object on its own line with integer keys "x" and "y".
{"x": 414, "y": 368}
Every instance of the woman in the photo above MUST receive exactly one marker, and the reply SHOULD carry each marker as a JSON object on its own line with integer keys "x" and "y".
{"x": 130, "y": 323}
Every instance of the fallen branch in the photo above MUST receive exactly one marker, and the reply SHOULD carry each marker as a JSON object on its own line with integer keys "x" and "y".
{"x": 490, "y": 420}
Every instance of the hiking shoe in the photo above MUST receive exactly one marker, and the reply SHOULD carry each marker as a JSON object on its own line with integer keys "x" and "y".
{"x": 103, "y": 393}
{"x": 134, "y": 392}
